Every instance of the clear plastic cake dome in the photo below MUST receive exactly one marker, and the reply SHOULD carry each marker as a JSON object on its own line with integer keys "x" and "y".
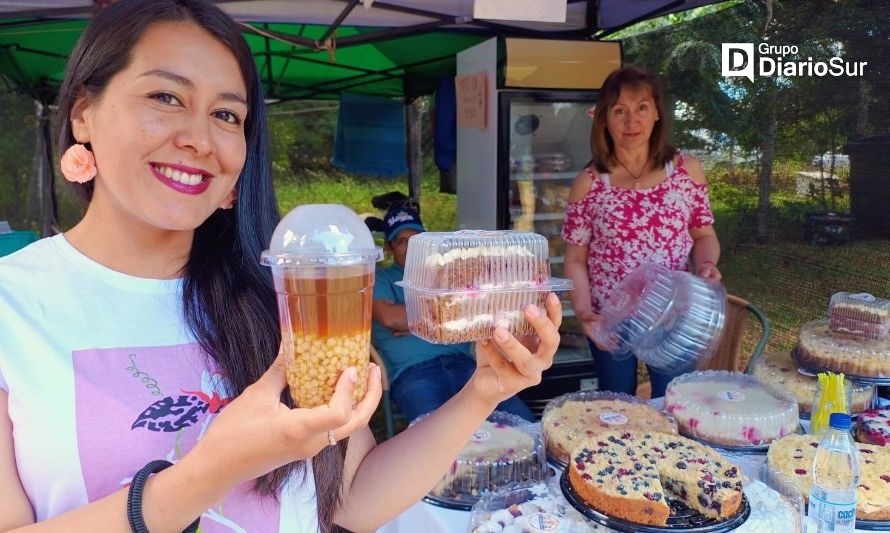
{"x": 530, "y": 507}
{"x": 730, "y": 409}
{"x": 859, "y": 358}
{"x": 506, "y": 449}
{"x": 573, "y": 417}
{"x": 779, "y": 369}
{"x": 668, "y": 319}
{"x": 321, "y": 234}
{"x": 859, "y": 314}
{"x": 461, "y": 285}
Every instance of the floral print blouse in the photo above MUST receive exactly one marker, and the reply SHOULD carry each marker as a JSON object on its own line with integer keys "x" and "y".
{"x": 624, "y": 228}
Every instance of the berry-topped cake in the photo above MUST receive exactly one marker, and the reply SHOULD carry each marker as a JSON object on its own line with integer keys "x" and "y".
{"x": 460, "y": 285}
{"x": 873, "y": 427}
{"x": 505, "y": 449}
{"x": 632, "y": 476}
{"x": 794, "y": 455}
{"x": 819, "y": 348}
{"x": 576, "y": 416}
{"x": 779, "y": 369}
{"x": 730, "y": 408}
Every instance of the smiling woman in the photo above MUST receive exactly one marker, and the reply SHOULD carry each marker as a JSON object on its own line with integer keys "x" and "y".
{"x": 147, "y": 338}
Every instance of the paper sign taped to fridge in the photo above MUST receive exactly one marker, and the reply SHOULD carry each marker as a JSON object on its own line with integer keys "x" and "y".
{"x": 533, "y": 10}
{"x": 472, "y": 100}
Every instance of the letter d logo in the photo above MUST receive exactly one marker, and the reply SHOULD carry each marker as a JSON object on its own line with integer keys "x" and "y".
{"x": 737, "y": 59}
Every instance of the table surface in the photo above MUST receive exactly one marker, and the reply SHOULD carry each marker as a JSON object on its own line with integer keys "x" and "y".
{"x": 428, "y": 518}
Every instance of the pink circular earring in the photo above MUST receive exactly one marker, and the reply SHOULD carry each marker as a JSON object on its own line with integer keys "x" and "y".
{"x": 78, "y": 164}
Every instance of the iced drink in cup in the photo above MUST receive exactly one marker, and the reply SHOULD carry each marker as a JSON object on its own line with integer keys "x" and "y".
{"x": 322, "y": 259}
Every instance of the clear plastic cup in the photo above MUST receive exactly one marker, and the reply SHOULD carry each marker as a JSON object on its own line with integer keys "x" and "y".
{"x": 322, "y": 259}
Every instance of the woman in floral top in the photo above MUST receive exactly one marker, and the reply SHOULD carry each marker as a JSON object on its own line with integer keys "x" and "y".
{"x": 639, "y": 201}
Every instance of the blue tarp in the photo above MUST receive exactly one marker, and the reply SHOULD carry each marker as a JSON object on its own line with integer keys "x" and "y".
{"x": 370, "y": 137}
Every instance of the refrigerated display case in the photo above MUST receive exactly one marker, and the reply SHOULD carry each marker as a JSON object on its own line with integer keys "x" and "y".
{"x": 517, "y": 170}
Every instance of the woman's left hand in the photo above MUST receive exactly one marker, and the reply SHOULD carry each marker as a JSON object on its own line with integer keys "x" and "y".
{"x": 505, "y": 364}
{"x": 710, "y": 272}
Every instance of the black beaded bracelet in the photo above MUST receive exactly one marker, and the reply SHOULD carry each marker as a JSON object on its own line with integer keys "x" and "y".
{"x": 134, "y": 498}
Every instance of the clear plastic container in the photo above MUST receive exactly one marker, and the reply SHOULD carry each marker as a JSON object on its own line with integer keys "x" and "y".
{"x": 669, "y": 319}
{"x": 573, "y": 417}
{"x": 859, "y": 328}
{"x": 776, "y": 504}
{"x": 460, "y": 285}
{"x": 530, "y": 507}
{"x": 322, "y": 259}
{"x": 730, "y": 409}
{"x": 873, "y": 427}
{"x": 779, "y": 369}
{"x": 794, "y": 456}
{"x": 820, "y": 349}
{"x": 861, "y": 307}
{"x": 505, "y": 449}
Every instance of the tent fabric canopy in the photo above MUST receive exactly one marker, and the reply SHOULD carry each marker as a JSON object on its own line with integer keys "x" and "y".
{"x": 397, "y": 48}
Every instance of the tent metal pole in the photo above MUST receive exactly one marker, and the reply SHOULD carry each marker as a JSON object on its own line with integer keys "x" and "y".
{"x": 337, "y": 21}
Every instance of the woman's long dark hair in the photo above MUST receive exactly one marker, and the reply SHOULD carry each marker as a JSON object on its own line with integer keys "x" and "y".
{"x": 602, "y": 146}
{"x": 229, "y": 300}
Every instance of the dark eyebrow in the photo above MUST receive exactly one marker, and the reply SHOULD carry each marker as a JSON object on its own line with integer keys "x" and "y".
{"x": 182, "y": 80}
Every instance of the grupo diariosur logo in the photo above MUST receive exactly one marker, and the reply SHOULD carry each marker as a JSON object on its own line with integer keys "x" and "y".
{"x": 738, "y": 59}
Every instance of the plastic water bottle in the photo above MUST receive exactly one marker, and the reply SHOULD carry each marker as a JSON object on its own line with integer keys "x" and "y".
{"x": 832, "y": 506}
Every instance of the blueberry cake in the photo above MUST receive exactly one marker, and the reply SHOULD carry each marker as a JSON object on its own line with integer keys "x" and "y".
{"x": 820, "y": 348}
{"x": 632, "y": 476}
{"x": 779, "y": 369}
{"x": 730, "y": 408}
{"x": 794, "y": 456}
{"x": 462, "y": 285}
{"x": 873, "y": 427}
{"x": 567, "y": 422}
{"x": 498, "y": 453}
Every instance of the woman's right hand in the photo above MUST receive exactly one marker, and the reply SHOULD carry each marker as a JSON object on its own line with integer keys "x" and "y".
{"x": 256, "y": 433}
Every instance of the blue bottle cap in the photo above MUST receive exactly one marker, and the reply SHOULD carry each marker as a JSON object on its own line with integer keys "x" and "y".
{"x": 840, "y": 421}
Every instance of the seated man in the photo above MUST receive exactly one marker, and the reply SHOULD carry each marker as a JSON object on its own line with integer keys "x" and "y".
{"x": 422, "y": 375}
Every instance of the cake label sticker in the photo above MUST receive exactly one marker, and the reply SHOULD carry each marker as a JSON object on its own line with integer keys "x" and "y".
{"x": 732, "y": 395}
{"x": 542, "y": 522}
{"x": 863, "y": 296}
{"x": 481, "y": 436}
{"x": 805, "y": 372}
{"x": 615, "y": 419}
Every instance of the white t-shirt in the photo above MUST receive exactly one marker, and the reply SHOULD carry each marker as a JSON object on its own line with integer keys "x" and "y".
{"x": 103, "y": 377}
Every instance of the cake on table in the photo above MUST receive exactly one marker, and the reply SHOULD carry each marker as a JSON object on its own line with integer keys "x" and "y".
{"x": 794, "y": 456}
{"x": 819, "y": 348}
{"x": 873, "y": 427}
{"x": 730, "y": 408}
{"x": 505, "y": 449}
{"x": 859, "y": 314}
{"x": 576, "y": 416}
{"x": 779, "y": 369}
{"x": 460, "y": 285}
{"x": 632, "y": 475}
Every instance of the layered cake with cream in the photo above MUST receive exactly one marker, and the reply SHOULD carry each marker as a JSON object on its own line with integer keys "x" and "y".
{"x": 859, "y": 314}
{"x": 779, "y": 369}
{"x": 632, "y": 476}
{"x": 819, "y": 348}
{"x": 461, "y": 285}
{"x": 730, "y": 408}
{"x": 873, "y": 427}
{"x": 794, "y": 456}
{"x": 505, "y": 449}
{"x": 573, "y": 417}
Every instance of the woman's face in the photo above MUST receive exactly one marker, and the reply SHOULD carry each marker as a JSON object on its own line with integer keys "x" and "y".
{"x": 631, "y": 119}
{"x": 168, "y": 131}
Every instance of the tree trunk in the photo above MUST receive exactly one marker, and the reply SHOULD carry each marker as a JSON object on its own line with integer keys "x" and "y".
{"x": 413, "y": 113}
{"x": 767, "y": 153}
{"x": 863, "y": 125}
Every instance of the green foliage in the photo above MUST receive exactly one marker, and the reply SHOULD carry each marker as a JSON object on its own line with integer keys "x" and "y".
{"x": 18, "y": 199}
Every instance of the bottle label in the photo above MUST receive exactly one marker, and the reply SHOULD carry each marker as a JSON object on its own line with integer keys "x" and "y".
{"x": 828, "y": 516}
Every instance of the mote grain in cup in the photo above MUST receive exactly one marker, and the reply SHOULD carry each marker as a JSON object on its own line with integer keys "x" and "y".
{"x": 322, "y": 259}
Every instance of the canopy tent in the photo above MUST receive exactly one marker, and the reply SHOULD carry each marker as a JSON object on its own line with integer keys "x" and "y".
{"x": 314, "y": 49}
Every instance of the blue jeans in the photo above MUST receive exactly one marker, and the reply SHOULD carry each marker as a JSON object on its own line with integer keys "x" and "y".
{"x": 621, "y": 375}
{"x": 424, "y": 387}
